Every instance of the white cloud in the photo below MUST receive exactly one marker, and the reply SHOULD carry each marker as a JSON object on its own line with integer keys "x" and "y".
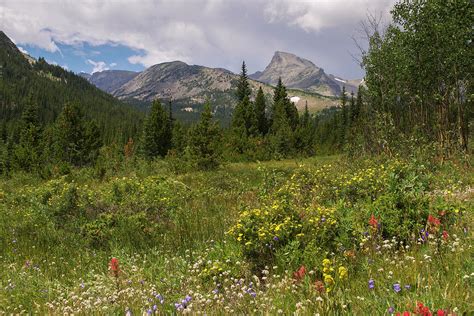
{"x": 211, "y": 32}
{"x": 98, "y": 66}
{"x": 318, "y": 15}
{"x": 24, "y": 51}
{"x": 113, "y": 64}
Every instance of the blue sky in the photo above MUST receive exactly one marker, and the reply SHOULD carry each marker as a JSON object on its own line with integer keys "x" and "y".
{"x": 86, "y": 58}
{"x": 88, "y": 35}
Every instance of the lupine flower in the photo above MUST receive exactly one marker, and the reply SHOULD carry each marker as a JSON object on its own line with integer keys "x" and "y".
{"x": 160, "y": 298}
{"x": 371, "y": 284}
{"x": 396, "y": 287}
{"x": 114, "y": 266}
{"x": 407, "y": 286}
{"x": 391, "y": 310}
{"x": 275, "y": 238}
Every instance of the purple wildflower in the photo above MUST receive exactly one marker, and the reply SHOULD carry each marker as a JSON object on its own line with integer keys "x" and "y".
{"x": 275, "y": 238}
{"x": 396, "y": 287}
{"x": 391, "y": 310}
{"x": 371, "y": 284}
{"x": 407, "y": 286}
{"x": 160, "y": 298}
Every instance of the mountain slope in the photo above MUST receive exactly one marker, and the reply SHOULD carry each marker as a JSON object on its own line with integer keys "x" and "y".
{"x": 300, "y": 73}
{"x": 109, "y": 80}
{"x": 191, "y": 85}
{"x": 51, "y": 87}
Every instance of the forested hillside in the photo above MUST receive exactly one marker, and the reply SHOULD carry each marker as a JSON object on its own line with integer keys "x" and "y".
{"x": 50, "y": 87}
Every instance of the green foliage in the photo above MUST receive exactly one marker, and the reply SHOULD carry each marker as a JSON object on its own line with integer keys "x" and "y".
{"x": 204, "y": 149}
{"x": 418, "y": 71}
{"x": 75, "y": 141}
{"x": 157, "y": 132}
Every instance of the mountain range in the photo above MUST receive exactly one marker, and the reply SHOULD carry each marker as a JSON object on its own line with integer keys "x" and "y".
{"x": 191, "y": 85}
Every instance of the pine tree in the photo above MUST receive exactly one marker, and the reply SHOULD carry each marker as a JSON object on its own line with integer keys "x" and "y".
{"x": 243, "y": 88}
{"x": 304, "y": 133}
{"x": 342, "y": 126}
{"x": 352, "y": 110}
{"x": 92, "y": 142}
{"x": 260, "y": 112}
{"x": 69, "y": 135}
{"x": 27, "y": 152}
{"x": 156, "y": 132}
{"x": 204, "y": 148}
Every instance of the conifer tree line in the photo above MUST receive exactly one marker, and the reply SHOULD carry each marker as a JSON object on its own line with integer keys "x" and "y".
{"x": 417, "y": 90}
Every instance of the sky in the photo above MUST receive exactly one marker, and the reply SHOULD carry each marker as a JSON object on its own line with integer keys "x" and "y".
{"x": 90, "y": 36}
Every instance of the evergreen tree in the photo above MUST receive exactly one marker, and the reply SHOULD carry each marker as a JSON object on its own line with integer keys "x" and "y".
{"x": 342, "y": 126}
{"x": 243, "y": 88}
{"x": 156, "y": 132}
{"x": 204, "y": 148}
{"x": 280, "y": 96}
{"x": 27, "y": 151}
{"x": 260, "y": 112}
{"x": 304, "y": 133}
{"x": 92, "y": 142}
{"x": 178, "y": 140}
{"x": 70, "y": 135}
{"x": 352, "y": 110}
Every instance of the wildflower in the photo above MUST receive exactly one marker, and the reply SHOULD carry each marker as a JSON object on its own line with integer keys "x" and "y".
{"x": 441, "y": 312}
{"x": 328, "y": 279}
{"x": 407, "y": 286}
{"x": 371, "y": 284}
{"x": 319, "y": 286}
{"x": 396, "y": 287}
{"x": 342, "y": 272}
{"x": 445, "y": 235}
{"x": 433, "y": 220}
{"x": 114, "y": 266}
{"x": 160, "y": 298}
{"x": 423, "y": 310}
{"x": 373, "y": 221}
{"x": 275, "y": 238}
{"x": 300, "y": 273}
{"x": 391, "y": 310}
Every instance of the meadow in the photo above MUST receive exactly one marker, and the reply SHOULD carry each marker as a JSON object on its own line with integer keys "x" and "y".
{"x": 324, "y": 235}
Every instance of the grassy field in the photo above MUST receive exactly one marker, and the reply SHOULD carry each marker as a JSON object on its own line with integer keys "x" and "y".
{"x": 322, "y": 235}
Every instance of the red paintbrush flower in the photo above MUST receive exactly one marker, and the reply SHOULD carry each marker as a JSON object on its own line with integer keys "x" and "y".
{"x": 300, "y": 273}
{"x": 423, "y": 310}
{"x": 440, "y": 312}
{"x": 373, "y": 221}
{"x": 433, "y": 220}
{"x": 319, "y": 286}
{"x": 114, "y": 266}
{"x": 445, "y": 235}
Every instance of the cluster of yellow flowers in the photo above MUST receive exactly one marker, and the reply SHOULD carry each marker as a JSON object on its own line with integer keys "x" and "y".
{"x": 328, "y": 274}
